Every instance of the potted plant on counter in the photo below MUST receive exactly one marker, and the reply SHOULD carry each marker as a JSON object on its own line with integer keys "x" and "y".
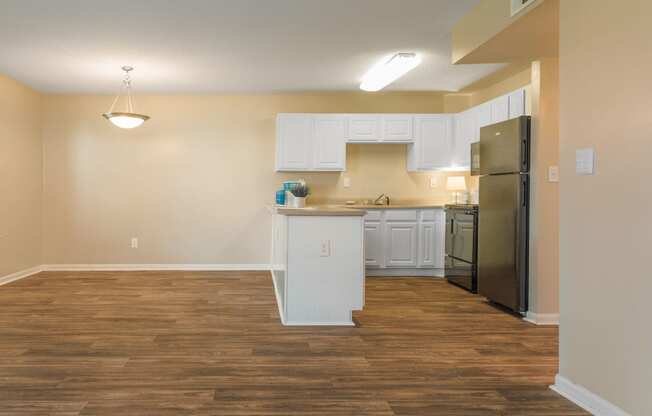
{"x": 300, "y": 193}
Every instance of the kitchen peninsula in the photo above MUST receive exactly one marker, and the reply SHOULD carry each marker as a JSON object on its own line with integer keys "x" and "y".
{"x": 318, "y": 264}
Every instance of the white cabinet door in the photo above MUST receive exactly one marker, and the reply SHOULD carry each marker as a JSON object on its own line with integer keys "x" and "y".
{"x": 499, "y": 109}
{"x": 433, "y": 141}
{"x": 373, "y": 244}
{"x": 329, "y": 142}
{"x": 465, "y": 132}
{"x": 294, "y": 142}
{"x": 365, "y": 128}
{"x": 426, "y": 244}
{"x": 401, "y": 244}
{"x": 517, "y": 103}
{"x": 439, "y": 244}
{"x": 482, "y": 117}
{"x": 398, "y": 128}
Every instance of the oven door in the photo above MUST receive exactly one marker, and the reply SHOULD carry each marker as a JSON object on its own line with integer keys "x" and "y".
{"x": 460, "y": 273}
{"x": 463, "y": 237}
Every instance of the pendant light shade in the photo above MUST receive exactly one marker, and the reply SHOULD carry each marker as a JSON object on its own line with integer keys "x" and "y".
{"x": 125, "y": 119}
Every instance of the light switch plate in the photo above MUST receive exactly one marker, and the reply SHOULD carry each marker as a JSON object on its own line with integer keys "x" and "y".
{"x": 584, "y": 161}
{"x": 553, "y": 173}
{"x": 325, "y": 248}
{"x": 346, "y": 182}
{"x": 434, "y": 182}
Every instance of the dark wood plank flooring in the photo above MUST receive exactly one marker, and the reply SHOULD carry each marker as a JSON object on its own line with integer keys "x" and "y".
{"x": 210, "y": 343}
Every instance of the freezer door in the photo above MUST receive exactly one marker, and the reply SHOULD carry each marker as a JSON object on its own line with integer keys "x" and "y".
{"x": 503, "y": 240}
{"x": 504, "y": 147}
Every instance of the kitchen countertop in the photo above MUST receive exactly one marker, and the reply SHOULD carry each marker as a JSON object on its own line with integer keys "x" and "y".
{"x": 340, "y": 209}
{"x": 395, "y": 206}
{"x": 318, "y": 211}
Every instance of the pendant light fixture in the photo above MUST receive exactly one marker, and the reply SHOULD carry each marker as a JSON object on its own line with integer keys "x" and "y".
{"x": 127, "y": 119}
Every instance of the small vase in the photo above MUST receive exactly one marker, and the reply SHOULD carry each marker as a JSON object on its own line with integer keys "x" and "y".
{"x": 298, "y": 202}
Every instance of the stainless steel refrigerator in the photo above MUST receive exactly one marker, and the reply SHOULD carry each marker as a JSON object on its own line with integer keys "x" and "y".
{"x": 503, "y": 229}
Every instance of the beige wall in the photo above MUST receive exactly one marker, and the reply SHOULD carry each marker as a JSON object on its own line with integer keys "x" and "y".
{"x": 544, "y": 212}
{"x": 490, "y": 34}
{"x": 20, "y": 177}
{"x": 192, "y": 183}
{"x": 606, "y": 232}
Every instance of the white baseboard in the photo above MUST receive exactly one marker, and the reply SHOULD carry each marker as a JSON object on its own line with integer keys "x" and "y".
{"x": 156, "y": 267}
{"x": 130, "y": 267}
{"x": 407, "y": 272}
{"x": 20, "y": 275}
{"x": 542, "y": 318}
{"x": 585, "y": 399}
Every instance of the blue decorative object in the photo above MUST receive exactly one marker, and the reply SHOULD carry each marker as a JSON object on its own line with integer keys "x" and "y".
{"x": 280, "y": 197}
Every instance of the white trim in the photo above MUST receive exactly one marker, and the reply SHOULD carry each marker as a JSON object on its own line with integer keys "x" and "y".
{"x": 156, "y": 267}
{"x": 20, "y": 275}
{"x": 542, "y": 318}
{"x": 403, "y": 272}
{"x": 585, "y": 399}
{"x": 278, "y": 300}
{"x": 308, "y": 323}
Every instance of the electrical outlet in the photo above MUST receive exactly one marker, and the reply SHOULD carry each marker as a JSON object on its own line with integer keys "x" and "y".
{"x": 434, "y": 181}
{"x": 325, "y": 248}
{"x": 346, "y": 182}
{"x": 134, "y": 242}
{"x": 553, "y": 173}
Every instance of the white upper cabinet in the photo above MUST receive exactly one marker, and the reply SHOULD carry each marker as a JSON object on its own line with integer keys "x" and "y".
{"x": 329, "y": 142}
{"x": 466, "y": 132}
{"x": 517, "y": 103}
{"x": 384, "y": 128}
{"x": 432, "y": 147}
{"x": 309, "y": 142}
{"x": 294, "y": 137}
{"x": 499, "y": 109}
{"x": 365, "y": 128}
{"x": 483, "y": 116}
{"x": 317, "y": 142}
{"x": 398, "y": 128}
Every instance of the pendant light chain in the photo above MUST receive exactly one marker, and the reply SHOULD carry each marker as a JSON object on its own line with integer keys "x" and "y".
{"x": 127, "y": 83}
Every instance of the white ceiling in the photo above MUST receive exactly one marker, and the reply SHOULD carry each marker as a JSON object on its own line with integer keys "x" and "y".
{"x": 207, "y": 46}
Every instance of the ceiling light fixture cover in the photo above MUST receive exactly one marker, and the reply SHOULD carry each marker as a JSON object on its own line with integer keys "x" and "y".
{"x": 125, "y": 119}
{"x": 389, "y": 70}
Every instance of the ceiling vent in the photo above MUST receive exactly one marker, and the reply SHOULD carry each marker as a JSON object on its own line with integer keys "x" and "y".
{"x": 518, "y": 5}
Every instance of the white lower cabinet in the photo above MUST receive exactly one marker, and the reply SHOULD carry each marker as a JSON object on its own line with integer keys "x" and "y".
{"x": 426, "y": 256}
{"x": 401, "y": 238}
{"x": 373, "y": 244}
{"x": 405, "y": 239}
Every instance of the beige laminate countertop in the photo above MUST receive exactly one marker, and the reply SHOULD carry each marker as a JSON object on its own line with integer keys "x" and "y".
{"x": 319, "y": 211}
{"x": 345, "y": 210}
{"x": 395, "y": 206}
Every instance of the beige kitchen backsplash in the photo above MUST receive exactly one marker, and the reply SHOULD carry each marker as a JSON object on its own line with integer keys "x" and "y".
{"x": 374, "y": 169}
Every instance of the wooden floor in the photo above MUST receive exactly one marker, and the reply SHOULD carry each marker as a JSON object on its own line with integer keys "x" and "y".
{"x": 210, "y": 343}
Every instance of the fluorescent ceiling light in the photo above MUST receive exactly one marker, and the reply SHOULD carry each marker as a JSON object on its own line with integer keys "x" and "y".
{"x": 389, "y": 70}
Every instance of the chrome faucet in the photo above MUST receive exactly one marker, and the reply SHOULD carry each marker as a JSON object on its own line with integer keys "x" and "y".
{"x": 382, "y": 200}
